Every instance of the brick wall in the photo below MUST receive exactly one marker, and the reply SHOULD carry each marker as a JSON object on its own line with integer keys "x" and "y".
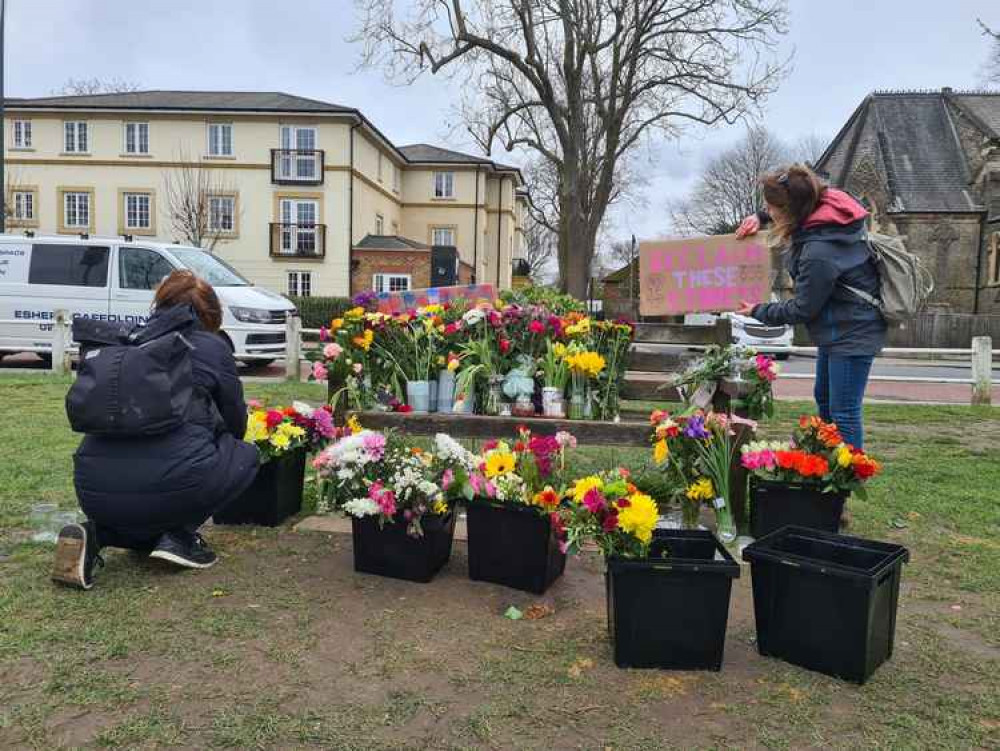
{"x": 416, "y": 263}
{"x": 949, "y": 245}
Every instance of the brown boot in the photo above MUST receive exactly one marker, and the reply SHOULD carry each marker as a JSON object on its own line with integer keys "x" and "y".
{"x": 76, "y": 553}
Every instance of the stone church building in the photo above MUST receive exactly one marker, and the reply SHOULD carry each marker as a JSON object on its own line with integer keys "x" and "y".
{"x": 927, "y": 165}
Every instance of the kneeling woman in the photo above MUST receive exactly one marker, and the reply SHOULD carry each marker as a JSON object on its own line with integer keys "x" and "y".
{"x": 151, "y": 494}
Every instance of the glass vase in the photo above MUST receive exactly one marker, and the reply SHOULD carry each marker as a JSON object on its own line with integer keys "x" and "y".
{"x": 494, "y": 395}
{"x": 577, "y": 402}
{"x": 724, "y": 524}
{"x": 690, "y": 513}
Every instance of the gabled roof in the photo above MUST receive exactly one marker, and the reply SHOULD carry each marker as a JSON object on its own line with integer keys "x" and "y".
{"x": 918, "y": 143}
{"x": 622, "y": 274}
{"x": 210, "y": 101}
{"x": 389, "y": 242}
{"x": 984, "y": 107}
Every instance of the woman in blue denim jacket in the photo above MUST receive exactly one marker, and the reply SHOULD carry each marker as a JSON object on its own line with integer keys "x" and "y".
{"x": 824, "y": 231}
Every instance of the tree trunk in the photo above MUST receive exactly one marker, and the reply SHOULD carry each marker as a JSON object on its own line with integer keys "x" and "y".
{"x": 577, "y": 238}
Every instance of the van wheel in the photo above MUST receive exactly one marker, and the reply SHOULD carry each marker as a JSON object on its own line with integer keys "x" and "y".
{"x": 46, "y": 358}
{"x": 256, "y": 363}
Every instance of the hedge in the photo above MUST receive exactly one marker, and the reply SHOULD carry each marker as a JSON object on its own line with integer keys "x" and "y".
{"x": 317, "y": 312}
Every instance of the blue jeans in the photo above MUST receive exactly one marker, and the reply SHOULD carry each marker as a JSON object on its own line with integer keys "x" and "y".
{"x": 840, "y": 389}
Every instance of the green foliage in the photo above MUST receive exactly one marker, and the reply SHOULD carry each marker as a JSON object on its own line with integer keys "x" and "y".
{"x": 548, "y": 297}
{"x": 317, "y": 312}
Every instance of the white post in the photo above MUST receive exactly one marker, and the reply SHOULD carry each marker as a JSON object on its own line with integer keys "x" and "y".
{"x": 982, "y": 370}
{"x": 60, "y": 341}
{"x": 293, "y": 348}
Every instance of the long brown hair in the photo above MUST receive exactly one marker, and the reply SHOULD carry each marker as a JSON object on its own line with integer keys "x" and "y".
{"x": 795, "y": 192}
{"x": 184, "y": 288}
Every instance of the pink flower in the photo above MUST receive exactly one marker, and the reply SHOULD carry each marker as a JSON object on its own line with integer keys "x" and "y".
{"x": 536, "y": 327}
{"x": 565, "y": 439}
{"x": 374, "y": 445}
{"x": 476, "y": 481}
{"x": 320, "y": 373}
{"x": 447, "y": 479}
{"x": 451, "y": 328}
{"x": 332, "y": 351}
{"x": 593, "y": 500}
{"x": 254, "y": 404}
{"x": 491, "y": 489}
{"x": 324, "y": 334}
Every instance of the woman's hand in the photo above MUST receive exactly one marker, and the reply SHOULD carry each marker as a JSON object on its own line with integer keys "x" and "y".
{"x": 745, "y": 308}
{"x": 749, "y": 226}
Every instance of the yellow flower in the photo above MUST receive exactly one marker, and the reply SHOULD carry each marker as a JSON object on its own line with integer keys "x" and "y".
{"x": 844, "y": 457}
{"x": 584, "y": 485}
{"x": 580, "y": 327}
{"x": 353, "y": 425}
{"x": 433, "y": 308}
{"x": 499, "y": 462}
{"x": 453, "y": 363}
{"x": 281, "y": 440}
{"x": 357, "y": 312}
{"x": 559, "y": 350}
{"x": 701, "y": 490}
{"x": 365, "y": 340}
{"x": 639, "y": 517}
{"x": 439, "y": 507}
{"x": 336, "y": 323}
{"x": 588, "y": 363}
{"x": 661, "y": 451}
{"x": 291, "y": 430}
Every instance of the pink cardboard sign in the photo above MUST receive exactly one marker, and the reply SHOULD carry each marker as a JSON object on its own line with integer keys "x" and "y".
{"x": 400, "y": 302}
{"x": 703, "y": 274}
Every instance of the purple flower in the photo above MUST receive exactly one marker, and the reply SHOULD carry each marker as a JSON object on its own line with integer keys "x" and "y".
{"x": 323, "y": 423}
{"x": 695, "y": 428}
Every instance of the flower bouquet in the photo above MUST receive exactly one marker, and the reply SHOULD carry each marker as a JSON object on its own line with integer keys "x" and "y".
{"x": 283, "y": 436}
{"x": 555, "y": 375}
{"x": 584, "y": 367}
{"x": 668, "y": 590}
{"x": 747, "y": 376}
{"x": 805, "y": 481}
{"x": 516, "y": 537}
{"x": 402, "y": 520}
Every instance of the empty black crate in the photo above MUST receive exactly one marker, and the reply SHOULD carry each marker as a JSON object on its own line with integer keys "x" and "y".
{"x": 514, "y": 546}
{"x": 670, "y": 610}
{"x": 389, "y": 551}
{"x": 825, "y": 601}
{"x": 774, "y": 505}
{"x": 273, "y": 496}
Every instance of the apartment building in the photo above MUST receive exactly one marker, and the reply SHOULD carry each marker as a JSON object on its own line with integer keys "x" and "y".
{"x": 301, "y": 196}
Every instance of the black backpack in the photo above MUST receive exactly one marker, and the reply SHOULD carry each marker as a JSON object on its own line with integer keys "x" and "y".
{"x": 132, "y": 381}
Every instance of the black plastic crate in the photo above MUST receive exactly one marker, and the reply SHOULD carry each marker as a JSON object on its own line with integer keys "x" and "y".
{"x": 824, "y": 601}
{"x": 774, "y": 505}
{"x": 670, "y": 610}
{"x": 389, "y": 551}
{"x": 513, "y": 545}
{"x": 273, "y": 496}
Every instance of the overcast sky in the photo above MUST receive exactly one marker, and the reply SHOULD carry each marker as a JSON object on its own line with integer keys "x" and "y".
{"x": 843, "y": 49}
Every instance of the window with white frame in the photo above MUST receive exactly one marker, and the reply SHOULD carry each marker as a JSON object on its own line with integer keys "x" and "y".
{"x": 443, "y": 236}
{"x": 379, "y": 224}
{"x": 391, "y": 282}
{"x": 136, "y": 138}
{"x": 444, "y": 184}
{"x": 138, "y": 214}
{"x": 76, "y": 210}
{"x": 24, "y": 205}
{"x": 75, "y": 137}
{"x": 21, "y": 134}
{"x": 222, "y": 214}
{"x": 300, "y": 159}
{"x": 300, "y": 283}
{"x": 220, "y": 139}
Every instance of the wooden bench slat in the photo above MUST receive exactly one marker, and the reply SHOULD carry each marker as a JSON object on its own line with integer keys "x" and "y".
{"x": 586, "y": 432}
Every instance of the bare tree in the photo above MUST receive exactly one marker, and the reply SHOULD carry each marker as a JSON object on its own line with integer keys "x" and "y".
{"x": 729, "y": 187}
{"x": 581, "y": 83}
{"x": 991, "y": 73}
{"x": 84, "y": 86}
{"x": 12, "y": 185}
{"x": 187, "y": 192}
{"x": 539, "y": 249}
{"x": 808, "y": 149}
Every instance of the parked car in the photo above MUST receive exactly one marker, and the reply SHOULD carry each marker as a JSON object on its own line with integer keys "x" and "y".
{"x": 113, "y": 279}
{"x": 749, "y": 332}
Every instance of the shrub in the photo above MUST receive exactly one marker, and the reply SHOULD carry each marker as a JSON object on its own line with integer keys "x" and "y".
{"x": 317, "y": 312}
{"x": 554, "y": 300}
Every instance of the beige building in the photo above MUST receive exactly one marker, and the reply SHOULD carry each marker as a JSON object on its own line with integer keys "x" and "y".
{"x": 302, "y": 196}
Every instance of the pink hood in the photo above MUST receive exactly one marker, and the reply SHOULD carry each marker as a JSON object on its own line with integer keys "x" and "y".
{"x": 835, "y": 207}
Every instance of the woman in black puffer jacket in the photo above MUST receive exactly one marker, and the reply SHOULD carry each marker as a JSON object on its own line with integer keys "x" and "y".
{"x": 824, "y": 230}
{"x": 152, "y": 494}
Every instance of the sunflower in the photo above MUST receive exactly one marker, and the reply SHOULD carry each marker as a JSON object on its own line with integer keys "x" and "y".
{"x": 499, "y": 463}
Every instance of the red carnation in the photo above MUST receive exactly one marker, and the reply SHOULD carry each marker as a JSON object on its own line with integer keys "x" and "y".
{"x": 274, "y": 418}
{"x": 610, "y": 523}
{"x": 404, "y": 408}
{"x": 505, "y": 346}
{"x": 536, "y": 327}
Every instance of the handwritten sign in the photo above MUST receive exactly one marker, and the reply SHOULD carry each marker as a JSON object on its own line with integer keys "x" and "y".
{"x": 400, "y": 302}
{"x": 703, "y": 274}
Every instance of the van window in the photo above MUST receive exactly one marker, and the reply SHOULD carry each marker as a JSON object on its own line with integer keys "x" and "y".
{"x": 139, "y": 268}
{"x": 70, "y": 265}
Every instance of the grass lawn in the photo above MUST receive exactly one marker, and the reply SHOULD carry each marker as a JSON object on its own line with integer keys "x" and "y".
{"x": 283, "y": 646}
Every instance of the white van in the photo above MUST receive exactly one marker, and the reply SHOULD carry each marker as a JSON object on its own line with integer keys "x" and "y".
{"x": 114, "y": 279}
